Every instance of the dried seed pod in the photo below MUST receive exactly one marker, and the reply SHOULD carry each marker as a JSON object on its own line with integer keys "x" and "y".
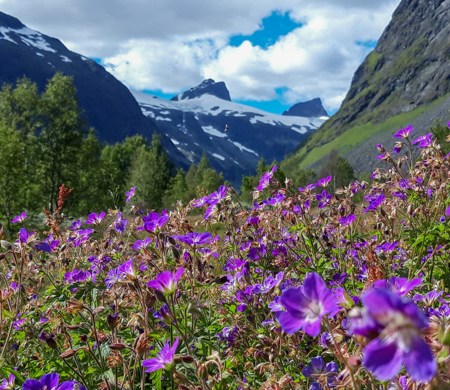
{"x": 68, "y": 354}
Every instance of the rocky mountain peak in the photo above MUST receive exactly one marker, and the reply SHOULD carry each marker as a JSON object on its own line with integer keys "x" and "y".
{"x": 206, "y": 87}
{"x": 9, "y": 22}
{"x": 309, "y": 109}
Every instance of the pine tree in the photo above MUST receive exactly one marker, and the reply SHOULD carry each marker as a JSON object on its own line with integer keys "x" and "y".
{"x": 177, "y": 191}
{"x": 18, "y": 174}
{"x": 338, "y": 167}
{"x": 60, "y": 137}
{"x": 115, "y": 168}
{"x": 150, "y": 172}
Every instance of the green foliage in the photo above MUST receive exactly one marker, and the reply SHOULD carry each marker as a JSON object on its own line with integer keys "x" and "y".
{"x": 115, "y": 170}
{"x": 442, "y": 135}
{"x": 315, "y": 151}
{"x": 177, "y": 190}
{"x": 150, "y": 172}
{"x": 339, "y": 168}
{"x": 60, "y": 137}
{"x": 201, "y": 179}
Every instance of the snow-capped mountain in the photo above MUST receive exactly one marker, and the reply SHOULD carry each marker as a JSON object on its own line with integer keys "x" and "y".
{"x": 108, "y": 105}
{"x": 200, "y": 120}
{"x": 233, "y": 136}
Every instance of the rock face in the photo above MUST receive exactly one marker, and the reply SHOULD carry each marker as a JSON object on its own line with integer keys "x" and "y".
{"x": 409, "y": 67}
{"x": 207, "y": 87}
{"x": 311, "y": 108}
{"x": 407, "y": 73}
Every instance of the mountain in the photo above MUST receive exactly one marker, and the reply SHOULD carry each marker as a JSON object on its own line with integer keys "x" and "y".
{"x": 207, "y": 87}
{"x": 200, "y": 120}
{"x": 108, "y": 105}
{"x": 311, "y": 108}
{"x": 233, "y": 136}
{"x": 405, "y": 79}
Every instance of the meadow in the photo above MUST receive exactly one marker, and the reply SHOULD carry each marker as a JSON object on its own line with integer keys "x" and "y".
{"x": 304, "y": 289}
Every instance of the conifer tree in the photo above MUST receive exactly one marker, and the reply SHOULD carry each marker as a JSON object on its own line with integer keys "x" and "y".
{"x": 60, "y": 136}
{"x": 150, "y": 172}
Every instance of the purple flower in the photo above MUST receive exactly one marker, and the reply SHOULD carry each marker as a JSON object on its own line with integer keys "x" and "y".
{"x": 345, "y": 221}
{"x": 269, "y": 283}
{"x": 95, "y": 219}
{"x": 203, "y": 201}
{"x": 323, "y": 198}
{"x": 164, "y": 359}
{"x": 307, "y": 188}
{"x": 8, "y": 384}
{"x": 318, "y": 368}
{"x": 401, "y": 286}
{"x": 447, "y": 211}
{"x": 126, "y": 269}
{"x": 375, "y": 201}
{"x": 228, "y": 334}
{"x": 141, "y": 244}
{"x": 324, "y": 181}
{"x": 275, "y": 200}
{"x": 119, "y": 273}
{"x": 26, "y": 237}
{"x": 80, "y": 236}
{"x": 112, "y": 277}
{"x": 129, "y": 194}
{"x": 195, "y": 238}
{"x": 398, "y": 322}
{"x": 120, "y": 223}
{"x": 265, "y": 179}
{"x": 154, "y": 221}
{"x": 218, "y": 195}
{"x": 50, "y": 382}
{"x": 424, "y": 140}
{"x": 307, "y": 305}
{"x": 19, "y": 218}
{"x": 166, "y": 282}
{"x": 75, "y": 225}
{"x": 404, "y": 133}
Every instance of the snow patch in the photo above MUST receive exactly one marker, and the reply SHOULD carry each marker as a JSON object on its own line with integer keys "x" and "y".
{"x": 212, "y": 131}
{"x": 242, "y": 147}
{"x": 218, "y": 156}
{"x": 33, "y": 38}
{"x": 162, "y": 118}
{"x": 4, "y": 31}
{"x": 65, "y": 59}
{"x": 175, "y": 142}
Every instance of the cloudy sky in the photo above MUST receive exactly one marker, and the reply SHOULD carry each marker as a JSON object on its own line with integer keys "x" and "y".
{"x": 271, "y": 54}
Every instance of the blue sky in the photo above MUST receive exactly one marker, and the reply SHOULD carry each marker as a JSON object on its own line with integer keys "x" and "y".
{"x": 270, "y": 54}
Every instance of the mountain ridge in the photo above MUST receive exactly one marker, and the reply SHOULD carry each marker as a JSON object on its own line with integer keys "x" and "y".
{"x": 408, "y": 70}
{"x": 234, "y": 136}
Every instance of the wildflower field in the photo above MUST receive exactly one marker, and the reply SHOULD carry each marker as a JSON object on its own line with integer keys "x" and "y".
{"x": 304, "y": 289}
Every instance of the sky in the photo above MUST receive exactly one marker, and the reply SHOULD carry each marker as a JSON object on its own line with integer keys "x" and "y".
{"x": 271, "y": 54}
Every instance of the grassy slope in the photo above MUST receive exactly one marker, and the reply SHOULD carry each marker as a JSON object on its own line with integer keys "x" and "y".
{"x": 353, "y": 137}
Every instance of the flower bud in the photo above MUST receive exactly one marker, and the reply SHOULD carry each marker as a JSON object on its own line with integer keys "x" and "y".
{"x": 68, "y": 354}
{"x": 202, "y": 371}
{"x": 117, "y": 346}
{"x": 141, "y": 344}
{"x": 98, "y": 310}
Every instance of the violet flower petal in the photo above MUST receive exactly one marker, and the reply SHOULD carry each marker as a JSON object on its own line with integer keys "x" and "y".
{"x": 419, "y": 361}
{"x": 383, "y": 359}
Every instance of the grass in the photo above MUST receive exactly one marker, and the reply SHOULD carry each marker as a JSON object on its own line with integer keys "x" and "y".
{"x": 358, "y": 134}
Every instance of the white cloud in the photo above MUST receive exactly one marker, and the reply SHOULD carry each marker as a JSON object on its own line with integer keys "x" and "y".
{"x": 171, "y": 44}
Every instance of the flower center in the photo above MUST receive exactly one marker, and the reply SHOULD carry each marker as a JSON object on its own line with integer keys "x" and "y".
{"x": 314, "y": 311}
